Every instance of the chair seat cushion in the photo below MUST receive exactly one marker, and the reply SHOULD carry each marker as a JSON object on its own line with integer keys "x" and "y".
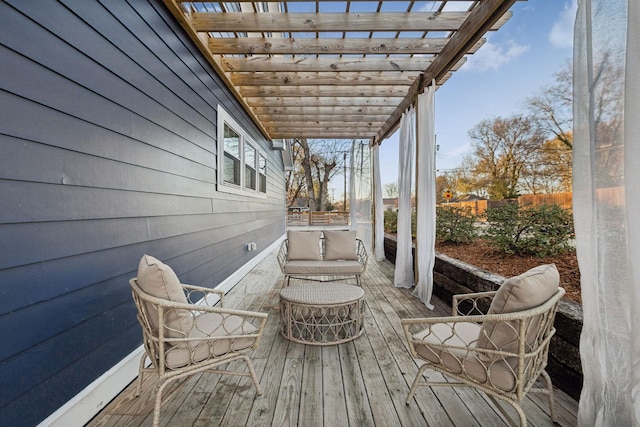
{"x": 211, "y": 325}
{"x": 463, "y": 361}
{"x": 319, "y": 268}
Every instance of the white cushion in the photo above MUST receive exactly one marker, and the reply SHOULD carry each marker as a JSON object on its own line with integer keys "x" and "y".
{"x": 528, "y": 290}
{"x": 159, "y": 280}
{"x": 303, "y": 245}
{"x": 340, "y": 245}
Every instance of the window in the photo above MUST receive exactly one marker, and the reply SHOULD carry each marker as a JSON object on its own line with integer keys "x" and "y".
{"x": 242, "y": 169}
{"x": 262, "y": 173}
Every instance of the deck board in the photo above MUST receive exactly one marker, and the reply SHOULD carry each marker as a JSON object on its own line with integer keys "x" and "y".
{"x": 359, "y": 383}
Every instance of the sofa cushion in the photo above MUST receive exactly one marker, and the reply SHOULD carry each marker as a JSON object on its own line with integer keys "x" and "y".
{"x": 159, "y": 280}
{"x": 322, "y": 268}
{"x": 519, "y": 293}
{"x": 303, "y": 245}
{"x": 340, "y": 245}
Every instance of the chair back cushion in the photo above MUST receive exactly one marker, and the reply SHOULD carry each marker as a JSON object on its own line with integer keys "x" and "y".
{"x": 303, "y": 246}
{"x": 340, "y": 245}
{"x": 519, "y": 293}
{"x": 159, "y": 280}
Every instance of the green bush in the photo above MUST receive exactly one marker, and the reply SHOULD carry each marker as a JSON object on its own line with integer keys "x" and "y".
{"x": 391, "y": 222}
{"x": 455, "y": 224}
{"x": 540, "y": 231}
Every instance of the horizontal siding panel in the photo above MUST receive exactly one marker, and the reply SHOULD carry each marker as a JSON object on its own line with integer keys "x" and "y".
{"x": 54, "y": 128}
{"x": 54, "y": 389}
{"x": 96, "y": 64}
{"x": 65, "y": 313}
{"x": 25, "y": 160}
{"x": 167, "y": 237}
{"x": 137, "y": 39}
{"x": 35, "y": 202}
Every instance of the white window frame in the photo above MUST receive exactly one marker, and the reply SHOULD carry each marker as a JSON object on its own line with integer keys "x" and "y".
{"x": 243, "y": 189}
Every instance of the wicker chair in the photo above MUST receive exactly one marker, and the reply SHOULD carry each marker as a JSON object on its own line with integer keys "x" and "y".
{"x": 501, "y": 353}
{"x": 183, "y": 333}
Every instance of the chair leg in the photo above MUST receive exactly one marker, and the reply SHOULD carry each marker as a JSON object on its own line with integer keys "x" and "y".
{"x": 254, "y": 377}
{"x": 140, "y": 372}
{"x": 156, "y": 409}
{"x": 549, "y": 393}
{"x": 521, "y": 415}
{"x": 416, "y": 383}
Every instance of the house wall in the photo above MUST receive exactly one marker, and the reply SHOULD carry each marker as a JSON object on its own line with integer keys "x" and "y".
{"x": 107, "y": 152}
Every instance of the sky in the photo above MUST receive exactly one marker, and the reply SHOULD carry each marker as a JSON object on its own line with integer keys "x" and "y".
{"x": 515, "y": 63}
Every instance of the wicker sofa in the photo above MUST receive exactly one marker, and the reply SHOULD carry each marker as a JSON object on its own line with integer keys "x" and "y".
{"x": 335, "y": 254}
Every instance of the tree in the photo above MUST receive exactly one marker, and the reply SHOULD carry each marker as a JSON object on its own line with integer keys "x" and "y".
{"x": 295, "y": 185}
{"x": 444, "y": 182}
{"x": 553, "y": 107}
{"x": 391, "y": 189}
{"x": 502, "y": 147}
{"x": 320, "y": 160}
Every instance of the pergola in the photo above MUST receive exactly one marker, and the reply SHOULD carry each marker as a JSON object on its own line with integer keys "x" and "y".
{"x": 336, "y": 69}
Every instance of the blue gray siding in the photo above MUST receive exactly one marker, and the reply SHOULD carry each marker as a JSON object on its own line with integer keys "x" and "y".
{"x": 107, "y": 151}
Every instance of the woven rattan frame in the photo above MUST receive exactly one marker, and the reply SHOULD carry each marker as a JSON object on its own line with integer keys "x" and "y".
{"x": 529, "y": 361}
{"x": 157, "y": 345}
{"x": 362, "y": 256}
{"x": 326, "y": 314}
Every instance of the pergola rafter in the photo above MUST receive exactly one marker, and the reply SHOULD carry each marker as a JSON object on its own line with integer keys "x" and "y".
{"x": 329, "y": 69}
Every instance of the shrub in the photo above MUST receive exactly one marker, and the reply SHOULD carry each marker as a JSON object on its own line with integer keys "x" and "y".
{"x": 455, "y": 224}
{"x": 391, "y": 222}
{"x": 540, "y": 231}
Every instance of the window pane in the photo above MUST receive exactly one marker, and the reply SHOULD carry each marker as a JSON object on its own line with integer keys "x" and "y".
{"x": 231, "y": 169}
{"x": 262, "y": 173}
{"x": 249, "y": 177}
{"x": 250, "y": 156}
{"x": 231, "y": 142}
{"x": 250, "y": 167}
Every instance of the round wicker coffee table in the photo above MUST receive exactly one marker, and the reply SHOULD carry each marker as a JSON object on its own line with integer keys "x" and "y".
{"x": 321, "y": 313}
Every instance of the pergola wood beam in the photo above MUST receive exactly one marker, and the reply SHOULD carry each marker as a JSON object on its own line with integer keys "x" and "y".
{"x": 481, "y": 19}
{"x": 323, "y": 78}
{"x": 318, "y": 119}
{"x": 323, "y": 46}
{"x": 322, "y": 134}
{"x": 312, "y": 64}
{"x": 360, "y": 91}
{"x": 325, "y": 110}
{"x": 327, "y": 101}
{"x": 329, "y": 21}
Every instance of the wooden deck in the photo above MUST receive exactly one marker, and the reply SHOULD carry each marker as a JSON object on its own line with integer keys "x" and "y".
{"x": 360, "y": 383}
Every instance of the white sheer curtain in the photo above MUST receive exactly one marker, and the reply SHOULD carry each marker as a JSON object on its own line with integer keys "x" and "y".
{"x": 606, "y": 204}
{"x": 361, "y": 197}
{"x": 378, "y": 223}
{"x": 425, "y": 195}
{"x": 403, "y": 275}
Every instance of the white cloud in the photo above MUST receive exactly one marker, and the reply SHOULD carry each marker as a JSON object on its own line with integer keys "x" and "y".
{"x": 561, "y": 34}
{"x": 492, "y": 56}
{"x": 454, "y": 6}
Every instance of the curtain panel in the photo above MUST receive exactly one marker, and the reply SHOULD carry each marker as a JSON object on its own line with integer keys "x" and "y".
{"x": 403, "y": 274}
{"x": 425, "y": 195}
{"x": 606, "y": 202}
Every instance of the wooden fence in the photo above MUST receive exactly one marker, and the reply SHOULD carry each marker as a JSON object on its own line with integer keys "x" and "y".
{"x": 318, "y": 218}
{"x": 564, "y": 200}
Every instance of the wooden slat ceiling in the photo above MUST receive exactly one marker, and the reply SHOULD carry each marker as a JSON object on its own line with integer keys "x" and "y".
{"x": 336, "y": 69}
